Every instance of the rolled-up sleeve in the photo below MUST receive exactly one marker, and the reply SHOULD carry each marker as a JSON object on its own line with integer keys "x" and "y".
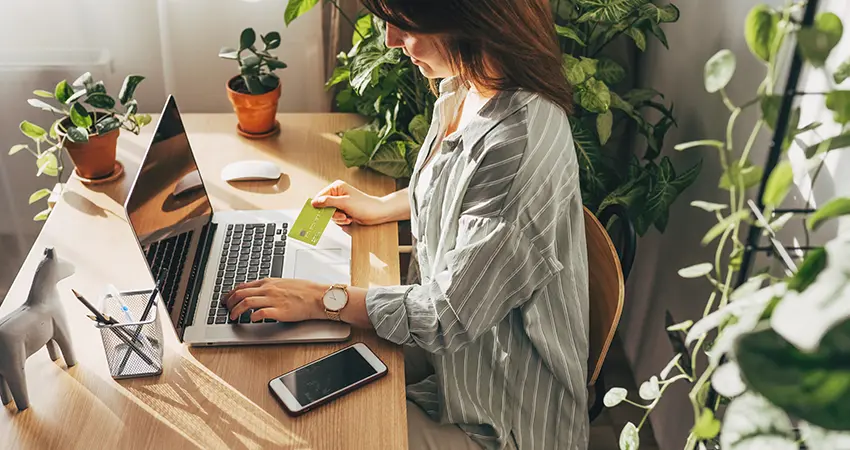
{"x": 493, "y": 268}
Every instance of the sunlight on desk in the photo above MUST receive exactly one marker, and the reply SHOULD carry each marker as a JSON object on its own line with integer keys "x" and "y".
{"x": 215, "y": 416}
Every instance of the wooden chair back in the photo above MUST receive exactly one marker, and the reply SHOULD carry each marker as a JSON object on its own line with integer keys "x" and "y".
{"x": 607, "y": 291}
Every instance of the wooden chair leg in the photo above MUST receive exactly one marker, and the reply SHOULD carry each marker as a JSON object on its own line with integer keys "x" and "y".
{"x": 598, "y": 393}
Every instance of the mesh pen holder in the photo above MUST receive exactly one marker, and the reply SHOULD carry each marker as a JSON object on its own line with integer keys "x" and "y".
{"x": 133, "y": 349}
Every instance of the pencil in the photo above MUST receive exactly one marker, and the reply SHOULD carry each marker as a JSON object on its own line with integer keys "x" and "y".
{"x": 121, "y": 333}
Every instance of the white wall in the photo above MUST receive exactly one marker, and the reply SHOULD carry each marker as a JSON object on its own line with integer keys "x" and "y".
{"x": 654, "y": 287}
{"x": 174, "y": 43}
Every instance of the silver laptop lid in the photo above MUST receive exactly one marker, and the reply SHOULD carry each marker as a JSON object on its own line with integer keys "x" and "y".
{"x": 169, "y": 211}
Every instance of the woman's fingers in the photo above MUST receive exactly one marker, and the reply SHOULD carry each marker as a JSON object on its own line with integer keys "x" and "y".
{"x": 248, "y": 304}
{"x": 264, "y": 313}
{"x": 239, "y": 293}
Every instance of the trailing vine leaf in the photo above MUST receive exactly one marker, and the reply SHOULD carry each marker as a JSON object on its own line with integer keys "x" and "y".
{"x": 719, "y": 70}
{"x": 828, "y": 145}
{"x": 723, "y": 225}
{"x": 629, "y": 437}
{"x": 843, "y": 72}
{"x": 812, "y": 265}
{"x": 751, "y": 176}
{"x": 812, "y": 386}
{"x": 703, "y": 143}
{"x": 614, "y": 397}
{"x": 778, "y": 184}
{"x": 695, "y": 271}
{"x": 38, "y": 195}
{"x": 839, "y": 103}
{"x": 835, "y": 208}
{"x": 48, "y": 164}
{"x": 751, "y": 422}
{"x": 32, "y": 131}
{"x": 760, "y": 31}
{"x": 770, "y": 105}
{"x": 816, "y": 42}
{"x": 708, "y": 206}
{"x": 707, "y": 426}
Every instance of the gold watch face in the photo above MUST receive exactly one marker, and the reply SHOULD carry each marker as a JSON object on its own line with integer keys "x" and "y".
{"x": 335, "y": 299}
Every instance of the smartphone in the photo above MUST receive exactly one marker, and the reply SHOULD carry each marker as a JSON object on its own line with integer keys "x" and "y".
{"x": 326, "y": 379}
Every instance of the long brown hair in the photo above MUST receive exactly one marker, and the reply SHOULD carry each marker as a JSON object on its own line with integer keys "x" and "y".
{"x": 497, "y": 44}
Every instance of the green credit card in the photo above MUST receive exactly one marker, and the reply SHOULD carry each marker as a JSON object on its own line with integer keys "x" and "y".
{"x": 311, "y": 223}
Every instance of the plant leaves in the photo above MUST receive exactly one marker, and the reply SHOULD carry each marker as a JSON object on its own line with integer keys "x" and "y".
{"x": 38, "y": 195}
{"x": 63, "y": 92}
{"x": 44, "y": 106}
{"x": 251, "y": 61}
{"x": 650, "y": 390}
{"x": 295, "y": 8}
{"x": 570, "y": 33}
{"x": 813, "y": 264}
{"x": 275, "y": 64}
{"x": 814, "y": 386}
{"x": 42, "y": 215}
{"x": 842, "y": 73}
{"x": 248, "y": 36}
{"x": 609, "y": 11}
{"x": 696, "y": 271}
{"x": 272, "y": 40}
{"x": 658, "y": 33}
{"x": 770, "y": 105}
{"x": 419, "y": 128}
{"x": 839, "y": 103}
{"x": 637, "y": 36}
{"x": 751, "y": 176}
{"x": 365, "y": 69}
{"x": 719, "y": 70}
{"x": 362, "y": 28}
{"x": 817, "y": 41}
{"x": 390, "y": 159}
{"x": 106, "y": 125}
{"x": 667, "y": 13}
{"x": 269, "y": 80}
{"x": 594, "y": 96}
{"x": 358, "y": 146}
{"x": 703, "y": 143}
{"x": 727, "y": 380}
{"x": 817, "y": 438}
{"x": 80, "y": 117}
{"x": 102, "y": 101}
{"x": 339, "y": 75}
{"x": 47, "y": 164}
{"x": 33, "y": 131}
{"x": 706, "y": 426}
{"x": 708, "y": 206}
{"x": 778, "y": 184}
{"x": 752, "y": 422}
{"x": 254, "y": 85}
{"x": 723, "y": 225}
{"x": 604, "y": 126}
{"x": 17, "y": 148}
{"x": 687, "y": 178}
{"x": 579, "y": 70}
{"x": 835, "y": 208}
{"x": 228, "y": 53}
{"x": 672, "y": 364}
{"x": 661, "y": 195}
{"x": 760, "y": 31}
{"x": 76, "y": 96}
{"x": 828, "y": 145}
{"x": 609, "y": 72}
{"x": 42, "y": 93}
{"x": 78, "y": 135}
{"x": 629, "y": 437}
{"x": 614, "y": 397}
{"x": 83, "y": 80}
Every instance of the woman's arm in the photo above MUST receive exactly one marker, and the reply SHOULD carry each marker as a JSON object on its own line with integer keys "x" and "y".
{"x": 397, "y": 206}
{"x": 355, "y": 206}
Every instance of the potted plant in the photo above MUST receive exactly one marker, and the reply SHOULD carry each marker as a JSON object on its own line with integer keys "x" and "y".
{"x": 254, "y": 93}
{"x": 87, "y": 127}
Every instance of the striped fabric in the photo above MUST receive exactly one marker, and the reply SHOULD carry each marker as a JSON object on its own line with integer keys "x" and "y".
{"x": 502, "y": 308}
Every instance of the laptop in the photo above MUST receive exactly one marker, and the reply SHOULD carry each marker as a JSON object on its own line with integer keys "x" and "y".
{"x": 197, "y": 255}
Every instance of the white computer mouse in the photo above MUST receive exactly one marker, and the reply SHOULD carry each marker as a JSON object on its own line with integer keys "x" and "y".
{"x": 250, "y": 171}
{"x": 189, "y": 182}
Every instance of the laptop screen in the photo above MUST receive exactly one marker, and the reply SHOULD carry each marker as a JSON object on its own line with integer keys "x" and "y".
{"x": 170, "y": 213}
{"x": 168, "y": 197}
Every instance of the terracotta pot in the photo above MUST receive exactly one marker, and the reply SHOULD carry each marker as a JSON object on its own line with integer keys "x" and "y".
{"x": 95, "y": 158}
{"x": 256, "y": 113}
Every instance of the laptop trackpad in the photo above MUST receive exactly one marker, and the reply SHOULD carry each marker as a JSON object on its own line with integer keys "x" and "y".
{"x": 322, "y": 266}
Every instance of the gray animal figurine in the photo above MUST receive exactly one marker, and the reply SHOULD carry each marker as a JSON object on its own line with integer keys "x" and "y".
{"x": 38, "y": 322}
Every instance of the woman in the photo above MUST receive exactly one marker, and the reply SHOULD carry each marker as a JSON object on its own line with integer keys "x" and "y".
{"x": 501, "y": 311}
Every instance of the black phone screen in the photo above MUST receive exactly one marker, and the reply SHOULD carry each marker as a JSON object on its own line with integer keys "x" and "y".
{"x": 320, "y": 379}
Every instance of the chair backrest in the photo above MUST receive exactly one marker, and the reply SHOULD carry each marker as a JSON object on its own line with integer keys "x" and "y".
{"x": 606, "y": 289}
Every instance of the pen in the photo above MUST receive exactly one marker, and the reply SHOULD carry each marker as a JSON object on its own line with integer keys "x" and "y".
{"x": 137, "y": 335}
{"x": 110, "y": 321}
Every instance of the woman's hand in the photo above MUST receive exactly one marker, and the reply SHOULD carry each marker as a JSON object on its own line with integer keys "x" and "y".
{"x": 284, "y": 300}
{"x": 355, "y": 206}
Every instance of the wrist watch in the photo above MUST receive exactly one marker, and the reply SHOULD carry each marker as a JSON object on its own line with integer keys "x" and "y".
{"x": 335, "y": 298}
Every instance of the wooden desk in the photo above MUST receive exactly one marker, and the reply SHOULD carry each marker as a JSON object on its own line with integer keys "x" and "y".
{"x": 207, "y": 398}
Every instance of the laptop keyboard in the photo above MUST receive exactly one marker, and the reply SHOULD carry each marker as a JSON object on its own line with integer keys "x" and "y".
{"x": 251, "y": 252}
{"x": 166, "y": 259}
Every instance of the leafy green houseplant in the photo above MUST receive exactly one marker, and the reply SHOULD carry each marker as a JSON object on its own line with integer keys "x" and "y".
{"x": 87, "y": 125}
{"x": 380, "y": 84}
{"x": 777, "y": 346}
{"x": 255, "y": 92}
